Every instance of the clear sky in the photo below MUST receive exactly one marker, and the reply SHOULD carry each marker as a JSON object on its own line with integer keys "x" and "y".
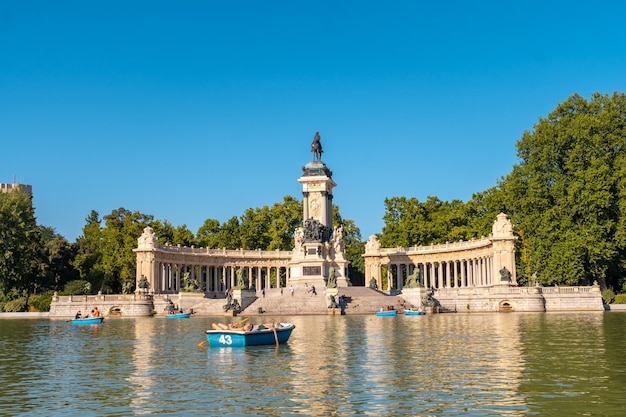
{"x": 189, "y": 110}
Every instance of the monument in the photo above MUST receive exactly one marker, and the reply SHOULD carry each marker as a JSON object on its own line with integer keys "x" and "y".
{"x": 319, "y": 250}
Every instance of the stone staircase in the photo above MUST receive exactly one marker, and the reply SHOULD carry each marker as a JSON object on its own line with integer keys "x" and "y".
{"x": 364, "y": 300}
{"x": 358, "y": 300}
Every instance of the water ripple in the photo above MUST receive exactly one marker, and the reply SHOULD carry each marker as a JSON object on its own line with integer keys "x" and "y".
{"x": 437, "y": 365}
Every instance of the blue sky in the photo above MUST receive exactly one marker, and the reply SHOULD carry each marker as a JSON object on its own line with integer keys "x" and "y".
{"x": 191, "y": 110}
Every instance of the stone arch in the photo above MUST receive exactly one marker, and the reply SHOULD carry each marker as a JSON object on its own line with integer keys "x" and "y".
{"x": 505, "y": 306}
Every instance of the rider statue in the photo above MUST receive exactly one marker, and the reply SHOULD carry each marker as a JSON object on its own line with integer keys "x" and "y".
{"x": 316, "y": 147}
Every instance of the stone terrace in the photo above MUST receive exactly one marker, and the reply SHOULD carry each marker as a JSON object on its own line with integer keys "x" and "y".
{"x": 359, "y": 300}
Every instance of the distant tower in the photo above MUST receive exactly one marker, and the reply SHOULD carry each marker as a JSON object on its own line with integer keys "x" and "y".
{"x": 25, "y": 188}
{"x": 318, "y": 245}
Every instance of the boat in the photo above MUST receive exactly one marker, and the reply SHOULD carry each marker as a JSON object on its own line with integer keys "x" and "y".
{"x": 385, "y": 313}
{"x": 414, "y": 313}
{"x": 276, "y": 333}
{"x": 88, "y": 320}
{"x": 178, "y": 316}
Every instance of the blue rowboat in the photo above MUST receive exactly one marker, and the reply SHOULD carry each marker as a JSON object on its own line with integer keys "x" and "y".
{"x": 89, "y": 320}
{"x": 387, "y": 313}
{"x": 179, "y": 316}
{"x": 414, "y": 313}
{"x": 257, "y": 336}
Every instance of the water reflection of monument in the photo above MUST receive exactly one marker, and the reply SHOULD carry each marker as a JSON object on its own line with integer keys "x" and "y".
{"x": 143, "y": 352}
{"x": 318, "y": 245}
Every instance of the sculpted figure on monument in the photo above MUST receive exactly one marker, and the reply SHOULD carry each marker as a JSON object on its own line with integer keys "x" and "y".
{"x": 143, "y": 284}
{"x": 147, "y": 238}
{"x": 337, "y": 240}
{"x": 298, "y": 239}
{"x": 332, "y": 281}
{"x": 241, "y": 282}
{"x": 505, "y": 274}
{"x": 189, "y": 284}
{"x": 412, "y": 281}
{"x": 429, "y": 300}
{"x": 333, "y": 302}
{"x": 372, "y": 245}
{"x": 314, "y": 231}
{"x": 373, "y": 284}
{"x": 316, "y": 147}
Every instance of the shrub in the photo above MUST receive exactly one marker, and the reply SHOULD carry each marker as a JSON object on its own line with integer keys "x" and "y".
{"x": 620, "y": 299}
{"x": 77, "y": 287}
{"x": 41, "y": 302}
{"x": 16, "y": 306}
{"x": 608, "y": 296}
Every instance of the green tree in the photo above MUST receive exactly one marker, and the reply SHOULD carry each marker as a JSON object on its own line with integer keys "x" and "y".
{"x": 409, "y": 222}
{"x": 59, "y": 269}
{"x": 183, "y": 236}
{"x": 567, "y": 192}
{"x": 354, "y": 247}
{"x": 164, "y": 231}
{"x": 229, "y": 236}
{"x": 207, "y": 234}
{"x": 285, "y": 218}
{"x": 253, "y": 228}
{"x": 19, "y": 240}
{"x": 119, "y": 238}
{"x": 88, "y": 259}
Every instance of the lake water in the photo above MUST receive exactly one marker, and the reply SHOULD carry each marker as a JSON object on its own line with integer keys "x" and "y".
{"x": 514, "y": 364}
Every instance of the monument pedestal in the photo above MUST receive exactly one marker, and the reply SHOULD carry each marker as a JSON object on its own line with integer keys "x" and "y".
{"x": 244, "y": 297}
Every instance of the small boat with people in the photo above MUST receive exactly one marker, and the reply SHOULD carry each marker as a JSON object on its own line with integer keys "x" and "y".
{"x": 174, "y": 312}
{"x": 387, "y": 313}
{"x": 236, "y": 335}
{"x": 95, "y": 317}
{"x": 88, "y": 320}
{"x": 178, "y": 315}
{"x": 414, "y": 313}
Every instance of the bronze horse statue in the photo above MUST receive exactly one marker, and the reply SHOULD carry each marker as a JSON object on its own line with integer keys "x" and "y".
{"x": 316, "y": 147}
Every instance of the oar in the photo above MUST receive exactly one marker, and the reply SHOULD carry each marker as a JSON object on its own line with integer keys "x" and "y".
{"x": 202, "y": 343}
{"x": 242, "y": 321}
{"x": 275, "y": 335}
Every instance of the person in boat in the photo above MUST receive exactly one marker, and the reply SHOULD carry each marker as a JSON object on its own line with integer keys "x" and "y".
{"x": 95, "y": 312}
{"x": 78, "y": 315}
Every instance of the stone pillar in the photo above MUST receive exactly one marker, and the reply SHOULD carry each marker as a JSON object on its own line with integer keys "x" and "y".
{"x": 455, "y": 274}
{"x": 503, "y": 242}
{"x": 440, "y": 275}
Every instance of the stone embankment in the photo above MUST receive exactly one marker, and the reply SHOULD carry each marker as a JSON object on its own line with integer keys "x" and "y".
{"x": 351, "y": 300}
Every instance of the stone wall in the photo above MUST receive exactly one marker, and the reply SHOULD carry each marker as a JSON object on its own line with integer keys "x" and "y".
{"x": 109, "y": 305}
{"x": 510, "y": 299}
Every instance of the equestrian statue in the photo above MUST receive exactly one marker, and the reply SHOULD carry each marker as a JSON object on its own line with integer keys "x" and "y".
{"x": 316, "y": 147}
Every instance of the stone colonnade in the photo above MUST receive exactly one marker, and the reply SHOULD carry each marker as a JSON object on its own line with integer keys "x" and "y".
{"x": 463, "y": 264}
{"x": 215, "y": 278}
{"x": 452, "y": 273}
{"x": 172, "y": 269}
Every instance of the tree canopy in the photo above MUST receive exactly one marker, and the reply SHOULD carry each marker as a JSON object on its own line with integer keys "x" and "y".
{"x": 567, "y": 194}
{"x": 19, "y": 237}
{"x": 566, "y": 197}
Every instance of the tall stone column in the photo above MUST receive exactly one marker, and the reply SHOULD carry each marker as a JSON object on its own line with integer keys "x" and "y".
{"x": 318, "y": 245}
{"x": 503, "y": 249}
